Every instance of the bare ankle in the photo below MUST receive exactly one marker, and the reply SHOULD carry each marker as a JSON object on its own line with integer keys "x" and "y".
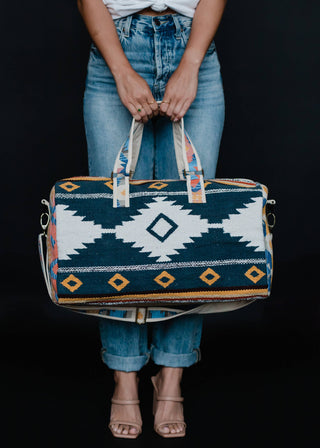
{"x": 127, "y": 377}
{"x": 171, "y": 373}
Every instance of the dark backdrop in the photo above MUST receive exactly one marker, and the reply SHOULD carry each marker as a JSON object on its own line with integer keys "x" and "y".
{"x": 258, "y": 378}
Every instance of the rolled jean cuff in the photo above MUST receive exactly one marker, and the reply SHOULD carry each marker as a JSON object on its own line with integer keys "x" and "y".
{"x": 124, "y": 363}
{"x": 175, "y": 359}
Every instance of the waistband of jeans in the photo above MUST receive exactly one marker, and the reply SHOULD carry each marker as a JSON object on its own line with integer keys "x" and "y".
{"x": 151, "y": 24}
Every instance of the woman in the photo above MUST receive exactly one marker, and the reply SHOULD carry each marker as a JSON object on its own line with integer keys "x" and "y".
{"x": 144, "y": 52}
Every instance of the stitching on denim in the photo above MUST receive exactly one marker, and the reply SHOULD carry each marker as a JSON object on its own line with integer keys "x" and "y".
{"x": 126, "y": 25}
{"x": 178, "y": 27}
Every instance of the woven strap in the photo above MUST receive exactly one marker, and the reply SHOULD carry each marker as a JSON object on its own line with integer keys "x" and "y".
{"x": 188, "y": 163}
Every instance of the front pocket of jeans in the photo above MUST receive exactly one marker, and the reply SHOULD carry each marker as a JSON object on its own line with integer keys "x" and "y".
{"x": 95, "y": 55}
{"x": 94, "y": 50}
{"x": 185, "y": 33}
{"x": 211, "y": 49}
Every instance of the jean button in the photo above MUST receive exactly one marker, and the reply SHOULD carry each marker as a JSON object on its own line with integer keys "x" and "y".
{"x": 157, "y": 22}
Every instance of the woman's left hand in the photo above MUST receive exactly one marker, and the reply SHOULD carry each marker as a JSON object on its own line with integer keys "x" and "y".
{"x": 180, "y": 92}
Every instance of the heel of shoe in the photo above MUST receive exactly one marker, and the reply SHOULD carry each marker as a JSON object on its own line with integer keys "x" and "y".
{"x": 157, "y": 427}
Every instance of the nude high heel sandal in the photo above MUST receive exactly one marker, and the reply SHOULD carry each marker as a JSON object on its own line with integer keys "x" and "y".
{"x": 158, "y": 425}
{"x": 136, "y": 424}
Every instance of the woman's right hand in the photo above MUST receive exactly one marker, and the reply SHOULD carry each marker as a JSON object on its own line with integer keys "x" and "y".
{"x": 133, "y": 90}
{"x": 136, "y": 95}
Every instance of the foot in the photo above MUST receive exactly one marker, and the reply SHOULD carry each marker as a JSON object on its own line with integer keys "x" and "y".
{"x": 126, "y": 388}
{"x": 168, "y": 385}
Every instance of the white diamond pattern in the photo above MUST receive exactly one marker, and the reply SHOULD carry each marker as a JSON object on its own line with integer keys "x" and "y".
{"x": 136, "y": 231}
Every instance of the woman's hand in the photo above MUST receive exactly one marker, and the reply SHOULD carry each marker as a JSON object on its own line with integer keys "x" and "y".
{"x": 180, "y": 92}
{"x": 133, "y": 90}
{"x": 136, "y": 95}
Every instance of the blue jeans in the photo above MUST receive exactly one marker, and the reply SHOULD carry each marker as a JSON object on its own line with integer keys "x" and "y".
{"x": 154, "y": 47}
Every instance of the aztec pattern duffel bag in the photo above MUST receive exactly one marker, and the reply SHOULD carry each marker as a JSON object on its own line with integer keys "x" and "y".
{"x": 137, "y": 249}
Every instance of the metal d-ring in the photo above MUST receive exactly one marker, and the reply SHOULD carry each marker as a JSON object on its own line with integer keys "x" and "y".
{"x": 273, "y": 223}
{"x": 44, "y": 221}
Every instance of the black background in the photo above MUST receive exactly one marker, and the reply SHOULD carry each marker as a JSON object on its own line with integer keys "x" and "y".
{"x": 258, "y": 381}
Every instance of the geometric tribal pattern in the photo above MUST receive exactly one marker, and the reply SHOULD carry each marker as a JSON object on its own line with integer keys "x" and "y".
{"x": 72, "y": 283}
{"x": 164, "y": 279}
{"x": 254, "y": 274}
{"x": 209, "y": 276}
{"x": 161, "y": 228}
{"x": 162, "y": 248}
{"x": 118, "y": 282}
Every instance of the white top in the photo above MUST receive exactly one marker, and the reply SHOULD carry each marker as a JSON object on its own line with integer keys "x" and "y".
{"x": 122, "y": 8}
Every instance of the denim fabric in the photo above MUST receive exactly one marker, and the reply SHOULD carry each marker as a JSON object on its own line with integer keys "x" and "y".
{"x": 174, "y": 343}
{"x": 154, "y": 47}
{"x": 154, "y": 51}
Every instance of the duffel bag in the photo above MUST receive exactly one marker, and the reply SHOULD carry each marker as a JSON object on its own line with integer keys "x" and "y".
{"x": 147, "y": 250}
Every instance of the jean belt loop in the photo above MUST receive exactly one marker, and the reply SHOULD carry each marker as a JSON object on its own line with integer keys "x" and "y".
{"x": 118, "y": 24}
{"x": 126, "y": 25}
{"x": 177, "y": 25}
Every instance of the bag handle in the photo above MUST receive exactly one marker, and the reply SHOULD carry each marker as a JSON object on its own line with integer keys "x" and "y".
{"x": 188, "y": 163}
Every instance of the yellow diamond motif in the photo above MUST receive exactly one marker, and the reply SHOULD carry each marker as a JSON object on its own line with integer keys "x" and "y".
{"x": 158, "y": 185}
{"x": 72, "y": 283}
{"x": 209, "y": 272}
{"x": 69, "y": 186}
{"x": 109, "y": 184}
{"x": 164, "y": 275}
{"x": 118, "y": 286}
{"x": 254, "y": 278}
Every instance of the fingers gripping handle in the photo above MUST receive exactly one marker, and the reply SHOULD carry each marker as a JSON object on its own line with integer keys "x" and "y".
{"x": 188, "y": 163}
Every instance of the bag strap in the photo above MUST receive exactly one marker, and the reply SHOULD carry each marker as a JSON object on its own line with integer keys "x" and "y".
{"x": 188, "y": 163}
{"x": 156, "y": 314}
{"x": 44, "y": 262}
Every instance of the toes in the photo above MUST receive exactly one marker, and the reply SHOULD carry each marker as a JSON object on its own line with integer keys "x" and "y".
{"x": 125, "y": 429}
{"x": 180, "y": 427}
{"x": 165, "y": 429}
{"x": 174, "y": 428}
